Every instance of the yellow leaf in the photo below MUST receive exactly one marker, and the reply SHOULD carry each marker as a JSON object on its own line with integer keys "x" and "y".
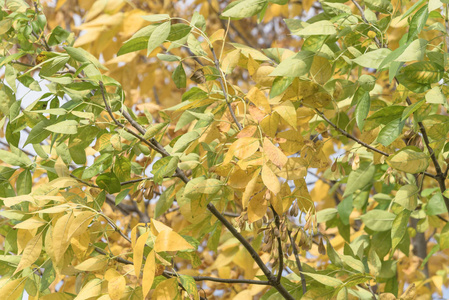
{"x": 166, "y": 290}
{"x": 61, "y": 168}
{"x": 252, "y": 65}
{"x": 31, "y": 223}
{"x": 148, "y": 273}
{"x": 250, "y": 189}
{"x": 277, "y": 157}
{"x": 80, "y": 223}
{"x": 321, "y": 69}
{"x": 257, "y": 97}
{"x": 59, "y": 4}
{"x": 270, "y": 179}
{"x": 10, "y": 201}
{"x": 93, "y": 264}
{"x": 270, "y": 124}
{"x": 23, "y": 237}
{"x": 116, "y": 287}
{"x": 157, "y": 227}
{"x": 276, "y": 202}
{"x": 80, "y": 244}
{"x": 92, "y": 289}
{"x": 217, "y": 35}
{"x": 31, "y": 253}
{"x": 61, "y": 235}
{"x": 134, "y": 234}
{"x": 230, "y": 61}
{"x": 138, "y": 252}
{"x": 243, "y": 295}
{"x": 13, "y": 289}
{"x": 242, "y": 148}
{"x": 293, "y": 169}
{"x": 288, "y": 112}
{"x": 257, "y": 207}
{"x": 168, "y": 240}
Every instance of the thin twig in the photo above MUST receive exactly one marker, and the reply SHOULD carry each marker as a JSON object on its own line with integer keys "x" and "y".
{"x": 278, "y": 238}
{"x": 347, "y": 134}
{"x": 298, "y": 263}
{"x": 225, "y": 94}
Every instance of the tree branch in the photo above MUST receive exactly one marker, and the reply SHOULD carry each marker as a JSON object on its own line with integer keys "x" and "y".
{"x": 347, "y": 134}
{"x": 278, "y": 238}
{"x": 298, "y": 263}
{"x": 220, "y": 79}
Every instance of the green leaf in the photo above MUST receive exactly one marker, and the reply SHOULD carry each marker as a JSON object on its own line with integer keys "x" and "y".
{"x": 119, "y": 198}
{"x": 383, "y": 6}
{"x": 164, "y": 167}
{"x": 156, "y": 17}
{"x": 154, "y": 130}
{"x": 411, "y": 109}
{"x": 108, "y": 182}
{"x": 64, "y": 127}
{"x": 158, "y": 36}
{"x": 436, "y": 205}
{"x": 417, "y": 23}
{"x": 164, "y": 202}
{"x": 326, "y": 214}
{"x": 57, "y": 36}
{"x": 378, "y": 220}
{"x": 409, "y": 161}
{"x": 414, "y": 51}
{"x": 361, "y": 179}
{"x": 399, "y": 228}
{"x": 38, "y": 133}
{"x": 390, "y": 132}
{"x": 168, "y": 58}
{"x": 323, "y": 27}
{"x": 122, "y": 168}
{"x": 83, "y": 56}
{"x": 179, "y": 77}
{"x": 280, "y": 84}
{"x": 326, "y": 280}
{"x": 372, "y": 59}
{"x": 207, "y": 186}
{"x": 24, "y": 182}
{"x": 243, "y": 9}
{"x": 362, "y": 108}
{"x": 13, "y": 159}
{"x": 422, "y": 72}
{"x": 294, "y": 66}
{"x": 353, "y": 263}
{"x": 435, "y": 96}
{"x": 184, "y": 141}
{"x": 444, "y": 237}
{"x": 178, "y": 31}
{"x": 407, "y": 197}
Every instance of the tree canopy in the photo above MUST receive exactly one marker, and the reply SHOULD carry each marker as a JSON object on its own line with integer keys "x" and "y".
{"x": 248, "y": 149}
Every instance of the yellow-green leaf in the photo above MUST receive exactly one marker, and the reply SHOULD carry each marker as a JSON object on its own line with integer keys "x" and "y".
{"x": 409, "y": 161}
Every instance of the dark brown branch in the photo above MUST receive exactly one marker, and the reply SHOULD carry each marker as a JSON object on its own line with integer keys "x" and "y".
{"x": 298, "y": 263}
{"x": 347, "y": 134}
{"x": 277, "y": 221}
{"x": 225, "y": 94}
